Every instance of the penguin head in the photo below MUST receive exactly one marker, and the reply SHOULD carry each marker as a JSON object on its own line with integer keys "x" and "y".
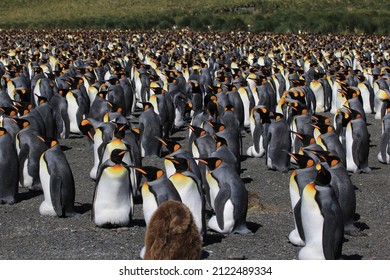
{"x": 50, "y": 142}
{"x": 22, "y": 123}
{"x": 320, "y": 119}
{"x": 212, "y": 162}
{"x": 147, "y": 105}
{"x": 323, "y": 128}
{"x": 217, "y": 127}
{"x": 323, "y": 177}
{"x": 151, "y": 173}
{"x": 87, "y": 129}
{"x": 3, "y": 131}
{"x": 117, "y": 156}
{"x": 303, "y": 160}
{"x": 120, "y": 131}
{"x": 8, "y": 111}
{"x": 198, "y": 131}
{"x": 306, "y": 139}
{"x": 181, "y": 164}
{"x": 171, "y": 145}
{"x": 220, "y": 141}
{"x": 328, "y": 157}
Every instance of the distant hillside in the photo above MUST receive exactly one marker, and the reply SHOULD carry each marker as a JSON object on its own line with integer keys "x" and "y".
{"x": 280, "y": 16}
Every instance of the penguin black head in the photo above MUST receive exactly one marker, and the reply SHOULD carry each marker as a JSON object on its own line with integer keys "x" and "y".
{"x": 198, "y": 131}
{"x": 328, "y": 157}
{"x": 323, "y": 128}
{"x": 303, "y": 160}
{"x": 22, "y": 123}
{"x": 171, "y": 145}
{"x": 320, "y": 119}
{"x": 50, "y": 142}
{"x": 147, "y": 105}
{"x": 217, "y": 127}
{"x": 220, "y": 141}
{"x": 212, "y": 162}
{"x": 87, "y": 129}
{"x": 306, "y": 139}
{"x": 181, "y": 164}
{"x": 120, "y": 130}
{"x": 151, "y": 173}
{"x": 3, "y": 131}
{"x": 117, "y": 156}
{"x": 8, "y": 111}
{"x": 323, "y": 177}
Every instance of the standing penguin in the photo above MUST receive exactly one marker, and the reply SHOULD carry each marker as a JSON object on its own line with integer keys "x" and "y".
{"x": 228, "y": 197}
{"x": 384, "y": 149}
{"x": 8, "y": 168}
{"x": 322, "y": 219}
{"x": 278, "y": 139}
{"x": 57, "y": 181}
{"x": 259, "y": 123}
{"x": 299, "y": 178}
{"x": 356, "y": 141}
{"x": 113, "y": 200}
{"x": 343, "y": 188}
{"x": 190, "y": 190}
{"x": 150, "y": 127}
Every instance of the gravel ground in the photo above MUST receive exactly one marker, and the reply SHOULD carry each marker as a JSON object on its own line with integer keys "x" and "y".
{"x": 25, "y": 234}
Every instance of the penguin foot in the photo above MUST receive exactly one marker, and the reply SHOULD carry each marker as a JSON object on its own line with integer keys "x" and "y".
{"x": 367, "y": 170}
{"x": 354, "y": 231}
{"x": 9, "y": 201}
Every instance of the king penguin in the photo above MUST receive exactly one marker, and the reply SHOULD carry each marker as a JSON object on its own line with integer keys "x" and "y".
{"x": 113, "y": 200}
{"x": 322, "y": 219}
{"x": 228, "y": 196}
{"x": 384, "y": 147}
{"x": 57, "y": 181}
{"x": 343, "y": 187}
{"x": 190, "y": 190}
{"x": 299, "y": 178}
{"x": 9, "y": 166}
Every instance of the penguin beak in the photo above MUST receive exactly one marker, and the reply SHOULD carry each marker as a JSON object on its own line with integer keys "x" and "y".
{"x": 141, "y": 170}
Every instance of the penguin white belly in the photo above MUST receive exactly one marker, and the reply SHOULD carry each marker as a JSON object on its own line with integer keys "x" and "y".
{"x": 195, "y": 152}
{"x": 214, "y": 189}
{"x": 365, "y": 94}
{"x": 113, "y": 203}
{"x": 178, "y": 118}
{"x": 312, "y": 222}
{"x": 351, "y": 165}
{"x": 319, "y": 95}
{"x": 294, "y": 236}
{"x": 189, "y": 194}
{"x": 46, "y": 208}
{"x": 97, "y": 142}
{"x": 252, "y": 150}
{"x": 72, "y": 113}
{"x": 27, "y": 178}
{"x": 245, "y": 102}
{"x": 149, "y": 203}
{"x": 269, "y": 159}
{"x": 228, "y": 218}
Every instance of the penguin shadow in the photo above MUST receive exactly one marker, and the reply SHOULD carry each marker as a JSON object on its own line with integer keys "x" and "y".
{"x": 28, "y": 195}
{"x": 247, "y": 180}
{"x": 253, "y": 227}
{"x": 82, "y": 208}
{"x": 351, "y": 257}
{"x": 138, "y": 223}
{"x": 212, "y": 237}
{"x": 76, "y": 136}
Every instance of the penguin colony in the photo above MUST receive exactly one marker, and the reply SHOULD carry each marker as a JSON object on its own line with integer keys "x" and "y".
{"x": 303, "y": 100}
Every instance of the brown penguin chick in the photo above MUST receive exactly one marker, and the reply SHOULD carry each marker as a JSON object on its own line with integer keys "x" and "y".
{"x": 172, "y": 234}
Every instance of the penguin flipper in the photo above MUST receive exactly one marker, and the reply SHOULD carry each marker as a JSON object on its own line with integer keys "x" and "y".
{"x": 298, "y": 219}
{"x": 219, "y": 204}
{"x": 55, "y": 194}
{"x": 332, "y": 233}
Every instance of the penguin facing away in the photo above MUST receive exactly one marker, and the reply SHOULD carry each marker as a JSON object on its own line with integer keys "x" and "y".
{"x": 57, "y": 181}
{"x": 8, "y": 169}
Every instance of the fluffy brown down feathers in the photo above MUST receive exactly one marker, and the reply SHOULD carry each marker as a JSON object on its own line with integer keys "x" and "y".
{"x": 172, "y": 234}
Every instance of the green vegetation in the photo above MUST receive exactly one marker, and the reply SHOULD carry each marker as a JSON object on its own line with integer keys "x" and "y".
{"x": 280, "y": 16}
